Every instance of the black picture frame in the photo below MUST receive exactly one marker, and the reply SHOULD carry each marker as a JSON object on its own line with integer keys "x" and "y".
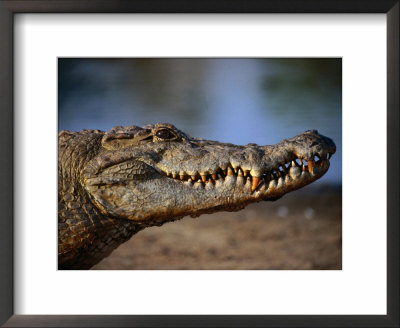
{"x": 10, "y": 7}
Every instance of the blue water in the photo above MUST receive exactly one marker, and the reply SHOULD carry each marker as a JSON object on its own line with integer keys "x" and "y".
{"x": 234, "y": 100}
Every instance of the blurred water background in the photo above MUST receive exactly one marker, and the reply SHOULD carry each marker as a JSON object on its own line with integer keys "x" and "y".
{"x": 232, "y": 100}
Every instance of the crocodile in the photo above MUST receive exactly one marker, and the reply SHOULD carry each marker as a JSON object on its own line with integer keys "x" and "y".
{"x": 113, "y": 184}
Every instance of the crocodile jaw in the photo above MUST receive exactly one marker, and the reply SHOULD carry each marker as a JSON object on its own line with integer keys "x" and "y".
{"x": 245, "y": 187}
{"x": 163, "y": 198}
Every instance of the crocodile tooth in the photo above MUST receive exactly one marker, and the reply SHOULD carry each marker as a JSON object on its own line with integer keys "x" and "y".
{"x": 240, "y": 173}
{"x": 294, "y": 164}
{"x": 240, "y": 180}
{"x": 188, "y": 182}
{"x": 245, "y": 173}
{"x": 248, "y": 183}
{"x": 295, "y": 172}
{"x": 280, "y": 183}
{"x": 209, "y": 185}
{"x": 305, "y": 175}
{"x": 256, "y": 173}
{"x": 304, "y": 168}
{"x": 230, "y": 180}
{"x": 181, "y": 177}
{"x": 219, "y": 182}
{"x": 310, "y": 166}
{"x": 203, "y": 177}
{"x": 193, "y": 176}
{"x": 255, "y": 182}
{"x": 272, "y": 184}
{"x": 198, "y": 184}
{"x": 174, "y": 175}
{"x": 214, "y": 176}
{"x": 229, "y": 172}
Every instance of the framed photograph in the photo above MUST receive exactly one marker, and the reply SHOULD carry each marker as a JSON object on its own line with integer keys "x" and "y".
{"x": 141, "y": 114}
{"x": 281, "y": 96}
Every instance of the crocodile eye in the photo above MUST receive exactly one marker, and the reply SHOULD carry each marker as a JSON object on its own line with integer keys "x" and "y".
{"x": 165, "y": 134}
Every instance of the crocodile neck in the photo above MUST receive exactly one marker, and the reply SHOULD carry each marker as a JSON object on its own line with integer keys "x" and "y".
{"x": 85, "y": 234}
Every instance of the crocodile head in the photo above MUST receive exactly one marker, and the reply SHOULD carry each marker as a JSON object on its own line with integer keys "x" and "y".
{"x": 158, "y": 173}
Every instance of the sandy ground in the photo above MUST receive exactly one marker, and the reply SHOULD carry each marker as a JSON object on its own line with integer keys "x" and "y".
{"x": 301, "y": 231}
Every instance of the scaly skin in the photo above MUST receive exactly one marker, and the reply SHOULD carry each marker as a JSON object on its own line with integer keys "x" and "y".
{"x": 113, "y": 184}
